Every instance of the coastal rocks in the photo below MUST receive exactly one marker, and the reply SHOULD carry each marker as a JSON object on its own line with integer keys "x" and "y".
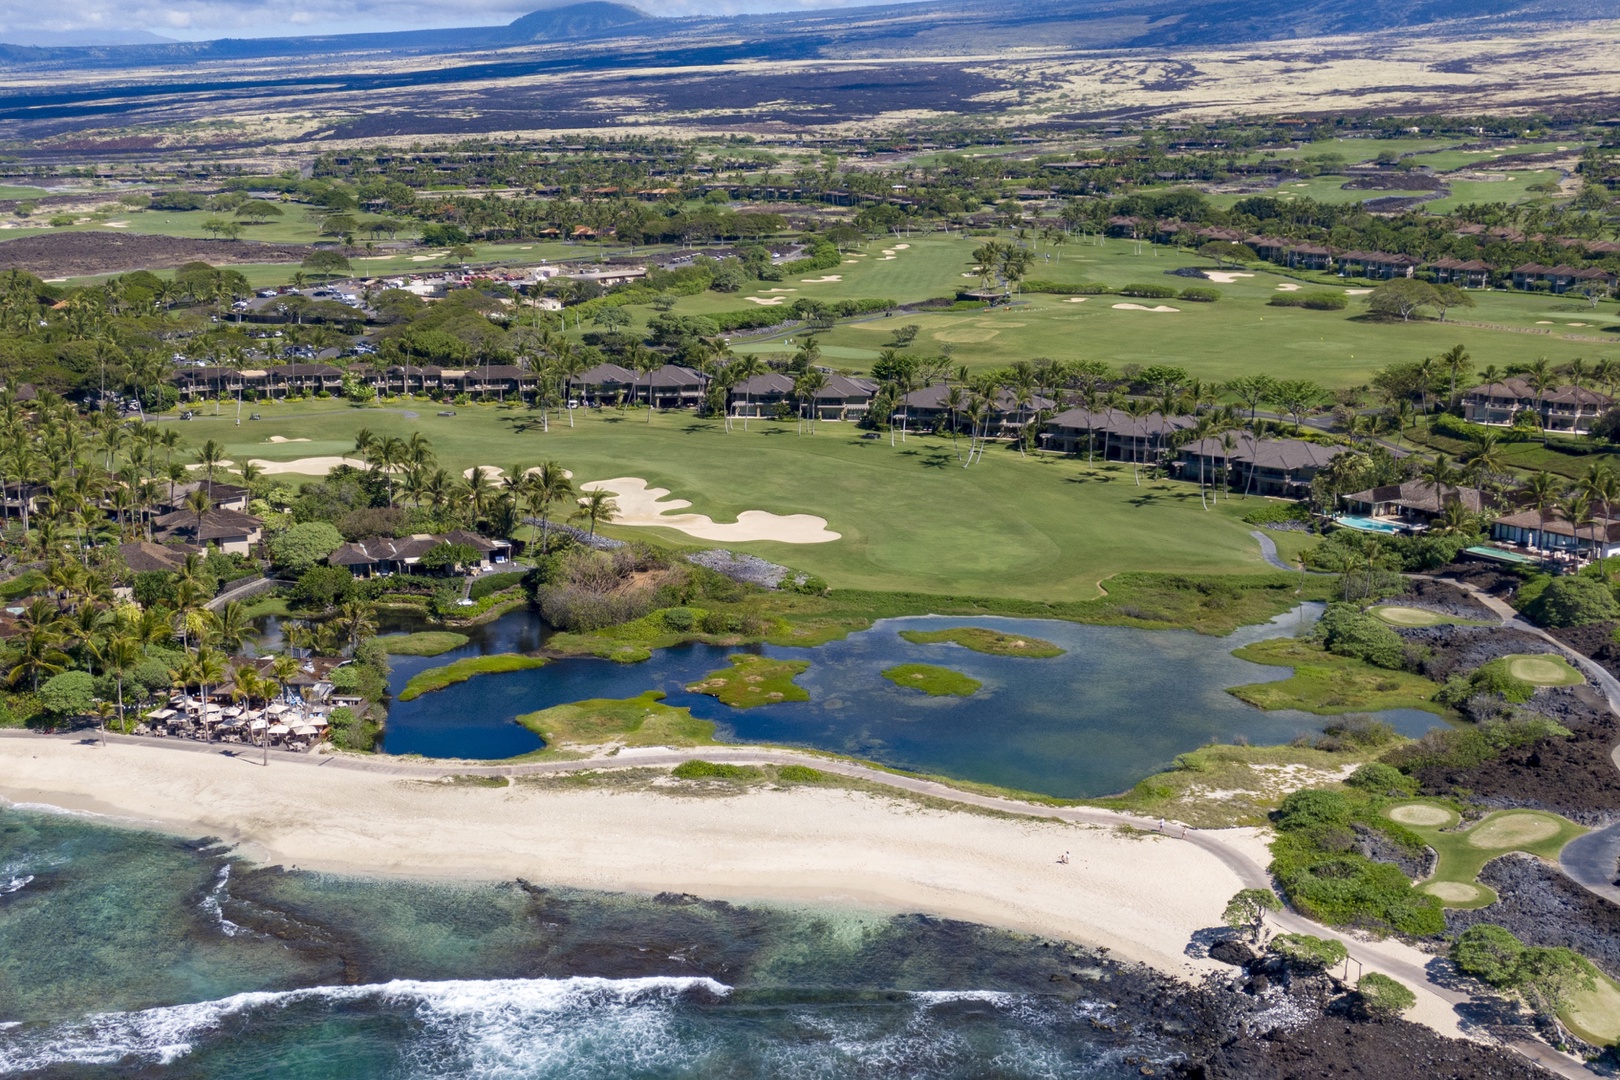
{"x": 1595, "y": 641}
{"x": 1445, "y": 597}
{"x": 1232, "y": 951}
{"x": 1456, "y": 650}
{"x": 1543, "y": 907}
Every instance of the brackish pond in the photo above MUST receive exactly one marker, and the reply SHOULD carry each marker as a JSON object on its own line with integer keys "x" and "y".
{"x": 1119, "y": 705}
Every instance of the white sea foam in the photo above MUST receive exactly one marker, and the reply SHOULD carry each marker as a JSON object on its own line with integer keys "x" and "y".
{"x": 480, "y": 1028}
{"x": 213, "y": 902}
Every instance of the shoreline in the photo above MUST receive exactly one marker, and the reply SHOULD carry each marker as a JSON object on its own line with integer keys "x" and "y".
{"x": 1140, "y": 896}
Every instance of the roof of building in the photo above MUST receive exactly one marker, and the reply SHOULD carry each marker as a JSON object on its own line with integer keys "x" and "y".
{"x": 604, "y": 373}
{"x": 1521, "y": 390}
{"x": 1289, "y": 455}
{"x": 143, "y": 556}
{"x": 1421, "y": 495}
{"x": 670, "y": 375}
{"x": 216, "y": 524}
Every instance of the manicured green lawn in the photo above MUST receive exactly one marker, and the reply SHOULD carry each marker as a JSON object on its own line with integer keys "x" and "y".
{"x": 934, "y": 681}
{"x": 910, "y": 517}
{"x": 1327, "y": 684}
{"x": 981, "y": 640}
{"x": 1238, "y": 335}
{"x": 1594, "y": 1014}
{"x": 422, "y": 643}
{"x": 1463, "y": 854}
{"x": 1542, "y": 669}
{"x": 754, "y": 680}
{"x": 424, "y": 682}
{"x": 637, "y": 721}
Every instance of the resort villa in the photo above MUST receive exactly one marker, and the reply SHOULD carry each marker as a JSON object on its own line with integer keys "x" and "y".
{"x": 234, "y": 533}
{"x": 1552, "y": 533}
{"x": 1566, "y": 408}
{"x": 1277, "y": 467}
{"x": 1113, "y": 434}
{"x": 1413, "y": 504}
{"x": 384, "y": 555}
{"x": 930, "y": 407}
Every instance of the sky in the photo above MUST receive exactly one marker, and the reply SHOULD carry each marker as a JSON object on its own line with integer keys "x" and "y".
{"x": 24, "y": 22}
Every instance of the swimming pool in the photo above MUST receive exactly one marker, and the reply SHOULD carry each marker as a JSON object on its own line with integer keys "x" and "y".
{"x": 1367, "y": 524}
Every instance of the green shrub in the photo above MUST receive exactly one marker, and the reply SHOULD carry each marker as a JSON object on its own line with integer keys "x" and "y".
{"x": 1036, "y": 285}
{"x": 1200, "y": 295}
{"x": 718, "y": 622}
{"x": 680, "y": 619}
{"x": 494, "y": 583}
{"x": 710, "y": 770}
{"x": 1307, "y": 952}
{"x": 1488, "y": 953}
{"x": 1315, "y": 300}
{"x": 1493, "y": 679}
{"x": 1573, "y": 601}
{"x": 1381, "y": 997}
{"x": 304, "y": 545}
{"x": 1463, "y": 748}
{"x": 1278, "y": 514}
{"x": 1380, "y": 779}
{"x": 1347, "y": 631}
{"x": 72, "y": 693}
{"x": 1313, "y": 808}
{"x": 1151, "y": 292}
{"x": 799, "y": 774}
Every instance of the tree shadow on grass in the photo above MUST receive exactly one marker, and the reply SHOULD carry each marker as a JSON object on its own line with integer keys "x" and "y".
{"x": 937, "y": 460}
{"x": 1092, "y": 479}
{"x": 1147, "y": 498}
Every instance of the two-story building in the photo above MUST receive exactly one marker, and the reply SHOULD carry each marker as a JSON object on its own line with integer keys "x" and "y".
{"x": 1565, "y": 408}
{"x": 1277, "y": 467}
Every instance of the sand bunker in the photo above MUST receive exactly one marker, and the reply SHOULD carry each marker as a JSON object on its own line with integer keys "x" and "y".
{"x": 1289, "y": 286}
{"x": 116, "y": 224}
{"x": 822, "y": 280}
{"x": 1544, "y": 322}
{"x": 888, "y": 251}
{"x": 1225, "y": 277}
{"x": 1453, "y": 892}
{"x": 309, "y": 466}
{"x": 1357, "y": 292}
{"x": 902, "y": 247}
{"x": 643, "y": 505}
{"x": 1421, "y": 814}
{"x": 1143, "y": 307}
{"x": 768, "y": 292}
{"x": 283, "y": 438}
{"x": 766, "y": 301}
{"x": 1077, "y": 299}
{"x": 1510, "y": 831}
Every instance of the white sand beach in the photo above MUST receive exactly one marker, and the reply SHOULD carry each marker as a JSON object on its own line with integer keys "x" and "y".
{"x": 1140, "y": 896}
{"x": 645, "y": 506}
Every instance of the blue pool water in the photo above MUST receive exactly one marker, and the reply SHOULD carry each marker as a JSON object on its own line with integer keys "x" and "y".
{"x": 1367, "y": 524}
{"x": 1119, "y": 705}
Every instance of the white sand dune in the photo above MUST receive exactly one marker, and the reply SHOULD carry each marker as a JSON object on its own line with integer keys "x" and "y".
{"x": 1143, "y": 307}
{"x": 822, "y": 280}
{"x": 1225, "y": 277}
{"x": 1289, "y": 286}
{"x": 284, "y": 439}
{"x": 309, "y": 466}
{"x": 645, "y": 506}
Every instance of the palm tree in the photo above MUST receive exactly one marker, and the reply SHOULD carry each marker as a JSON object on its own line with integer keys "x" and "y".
{"x": 209, "y": 455}
{"x": 596, "y": 506}
{"x": 37, "y": 644}
{"x": 1602, "y": 488}
{"x": 1578, "y": 374}
{"x": 231, "y": 626}
{"x": 1485, "y": 457}
{"x": 1576, "y": 509}
{"x": 358, "y": 621}
{"x": 118, "y": 653}
{"x": 1456, "y": 361}
{"x": 1541, "y": 492}
{"x": 1541, "y": 379}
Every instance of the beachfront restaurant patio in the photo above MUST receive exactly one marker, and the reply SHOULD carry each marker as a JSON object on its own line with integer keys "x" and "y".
{"x": 288, "y": 726}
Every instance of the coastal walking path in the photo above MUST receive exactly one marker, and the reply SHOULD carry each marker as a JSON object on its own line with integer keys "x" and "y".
{"x": 1428, "y": 976}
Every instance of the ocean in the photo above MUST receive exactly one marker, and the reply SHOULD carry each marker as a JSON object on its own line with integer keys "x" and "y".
{"x": 131, "y": 954}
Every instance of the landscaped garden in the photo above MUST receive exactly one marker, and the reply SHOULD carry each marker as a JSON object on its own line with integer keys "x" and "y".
{"x": 1463, "y": 853}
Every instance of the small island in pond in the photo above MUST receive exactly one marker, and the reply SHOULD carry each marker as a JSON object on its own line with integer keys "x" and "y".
{"x": 425, "y": 682}
{"x": 981, "y": 640}
{"x": 422, "y": 643}
{"x": 934, "y": 681}
{"x": 754, "y": 680}
{"x": 637, "y": 721}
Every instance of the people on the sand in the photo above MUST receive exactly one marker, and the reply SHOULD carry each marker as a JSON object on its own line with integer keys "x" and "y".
{"x": 1064, "y": 858}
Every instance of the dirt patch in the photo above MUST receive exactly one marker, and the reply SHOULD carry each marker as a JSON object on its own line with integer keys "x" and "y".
{"x": 76, "y": 254}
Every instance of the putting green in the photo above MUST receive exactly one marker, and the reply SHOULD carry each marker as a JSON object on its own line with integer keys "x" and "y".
{"x": 1543, "y": 670}
{"x": 1505, "y": 832}
{"x": 1454, "y": 892}
{"x": 1409, "y": 616}
{"x": 1422, "y": 814}
{"x": 1594, "y": 1014}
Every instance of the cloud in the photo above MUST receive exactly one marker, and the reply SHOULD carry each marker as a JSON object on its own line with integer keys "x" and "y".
{"x": 201, "y": 19}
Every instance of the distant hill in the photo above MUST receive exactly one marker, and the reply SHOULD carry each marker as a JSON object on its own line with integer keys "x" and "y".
{"x": 622, "y": 33}
{"x": 70, "y": 39}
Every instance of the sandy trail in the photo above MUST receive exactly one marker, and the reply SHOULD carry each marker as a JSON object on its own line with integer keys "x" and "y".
{"x": 1142, "y": 897}
{"x": 641, "y": 505}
